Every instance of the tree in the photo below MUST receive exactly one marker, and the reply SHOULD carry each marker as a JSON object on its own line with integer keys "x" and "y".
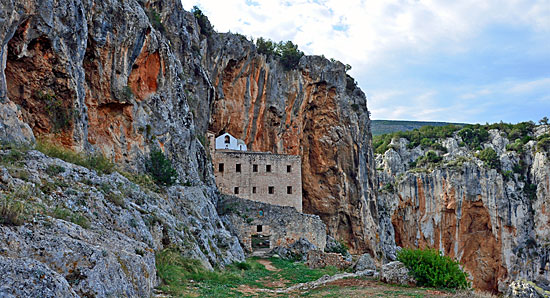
{"x": 290, "y": 55}
{"x": 265, "y": 46}
{"x": 160, "y": 168}
{"x": 544, "y": 121}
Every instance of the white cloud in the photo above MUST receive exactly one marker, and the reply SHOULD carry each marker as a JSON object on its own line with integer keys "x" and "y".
{"x": 382, "y": 36}
{"x": 374, "y": 28}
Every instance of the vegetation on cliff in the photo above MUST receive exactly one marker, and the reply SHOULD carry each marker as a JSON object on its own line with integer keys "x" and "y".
{"x": 472, "y": 135}
{"x": 287, "y": 52}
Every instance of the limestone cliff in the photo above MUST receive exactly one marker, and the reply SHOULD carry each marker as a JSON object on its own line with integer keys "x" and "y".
{"x": 315, "y": 111}
{"x": 110, "y": 77}
{"x": 124, "y": 77}
{"x": 491, "y": 219}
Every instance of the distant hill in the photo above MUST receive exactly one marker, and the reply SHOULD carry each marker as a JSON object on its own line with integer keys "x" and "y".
{"x": 380, "y": 127}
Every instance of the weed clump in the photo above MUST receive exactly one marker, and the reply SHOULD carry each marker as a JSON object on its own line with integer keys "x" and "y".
{"x": 11, "y": 211}
{"x": 430, "y": 268}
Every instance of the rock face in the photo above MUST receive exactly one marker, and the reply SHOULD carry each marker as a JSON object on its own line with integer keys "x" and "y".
{"x": 485, "y": 217}
{"x": 314, "y": 111}
{"x": 122, "y": 77}
{"x": 98, "y": 233}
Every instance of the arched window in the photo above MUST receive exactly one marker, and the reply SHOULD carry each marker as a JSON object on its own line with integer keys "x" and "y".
{"x": 227, "y": 141}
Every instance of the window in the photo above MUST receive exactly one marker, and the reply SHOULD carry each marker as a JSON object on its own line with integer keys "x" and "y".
{"x": 220, "y": 167}
{"x": 289, "y": 168}
{"x": 238, "y": 168}
{"x": 236, "y": 190}
{"x": 268, "y": 168}
{"x": 254, "y": 168}
{"x": 259, "y": 228}
{"x": 227, "y": 141}
{"x": 271, "y": 190}
{"x": 289, "y": 190}
{"x": 253, "y": 189}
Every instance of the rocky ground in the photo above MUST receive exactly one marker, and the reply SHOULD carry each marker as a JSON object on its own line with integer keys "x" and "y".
{"x": 77, "y": 233}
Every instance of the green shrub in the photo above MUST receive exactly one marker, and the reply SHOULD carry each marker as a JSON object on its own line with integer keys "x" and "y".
{"x": 429, "y": 158}
{"x": 490, "y": 158}
{"x": 473, "y": 136}
{"x": 53, "y": 170}
{"x": 530, "y": 191}
{"x": 341, "y": 247}
{"x": 155, "y": 20}
{"x": 68, "y": 215}
{"x": 160, "y": 168}
{"x": 266, "y": 46}
{"x": 543, "y": 143}
{"x": 432, "y": 269}
{"x": 60, "y": 116}
{"x": 289, "y": 53}
{"x": 388, "y": 187}
{"x": 202, "y": 20}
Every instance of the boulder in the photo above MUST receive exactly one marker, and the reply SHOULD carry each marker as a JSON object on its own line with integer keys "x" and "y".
{"x": 297, "y": 251}
{"x": 26, "y": 277}
{"x": 365, "y": 262}
{"x": 319, "y": 259}
{"x": 526, "y": 289}
{"x": 396, "y": 273}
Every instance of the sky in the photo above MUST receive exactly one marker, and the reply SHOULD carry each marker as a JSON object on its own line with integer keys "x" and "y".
{"x": 457, "y": 61}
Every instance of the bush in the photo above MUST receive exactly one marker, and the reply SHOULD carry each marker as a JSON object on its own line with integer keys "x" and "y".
{"x": 474, "y": 136}
{"x": 290, "y": 55}
{"x": 338, "y": 247}
{"x": 266, "y": 46}
{"x": 53, "y": 170}
{"x": 432, "y": 269}
{"x": 490, "y": 157}
{"x": 60, "y": 116}
{"x": 202, "y": 20}
{"x": 543, "y": 143}
{"x": 155, "y": 20}
{"x": 160, "y": 168}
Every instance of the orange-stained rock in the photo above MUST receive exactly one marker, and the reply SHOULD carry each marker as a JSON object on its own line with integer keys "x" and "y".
{"x": 40, "y": 85}
{"x": 144, "y": 75}
{"x": 307, "y": 112}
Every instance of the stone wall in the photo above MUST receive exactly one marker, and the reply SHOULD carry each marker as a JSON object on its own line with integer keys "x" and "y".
{"x": 283, "y": 224}
{"x": 254, "y": 181}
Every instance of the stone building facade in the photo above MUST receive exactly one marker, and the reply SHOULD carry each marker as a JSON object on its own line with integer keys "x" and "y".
{"x": 276, "y": 226}
{"x": 258, "y": 176}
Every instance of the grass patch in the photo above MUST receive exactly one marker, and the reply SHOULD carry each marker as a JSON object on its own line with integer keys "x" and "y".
{"x": 68, "y": 215}
{"x": 182, "y": 276}
{"x": 53, "y": 170}
{"x": 97, "y": 162}
{"x": 12, "y": 210}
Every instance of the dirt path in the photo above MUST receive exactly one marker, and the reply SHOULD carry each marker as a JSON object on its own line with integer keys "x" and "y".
{"x": 268, "y": 265}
